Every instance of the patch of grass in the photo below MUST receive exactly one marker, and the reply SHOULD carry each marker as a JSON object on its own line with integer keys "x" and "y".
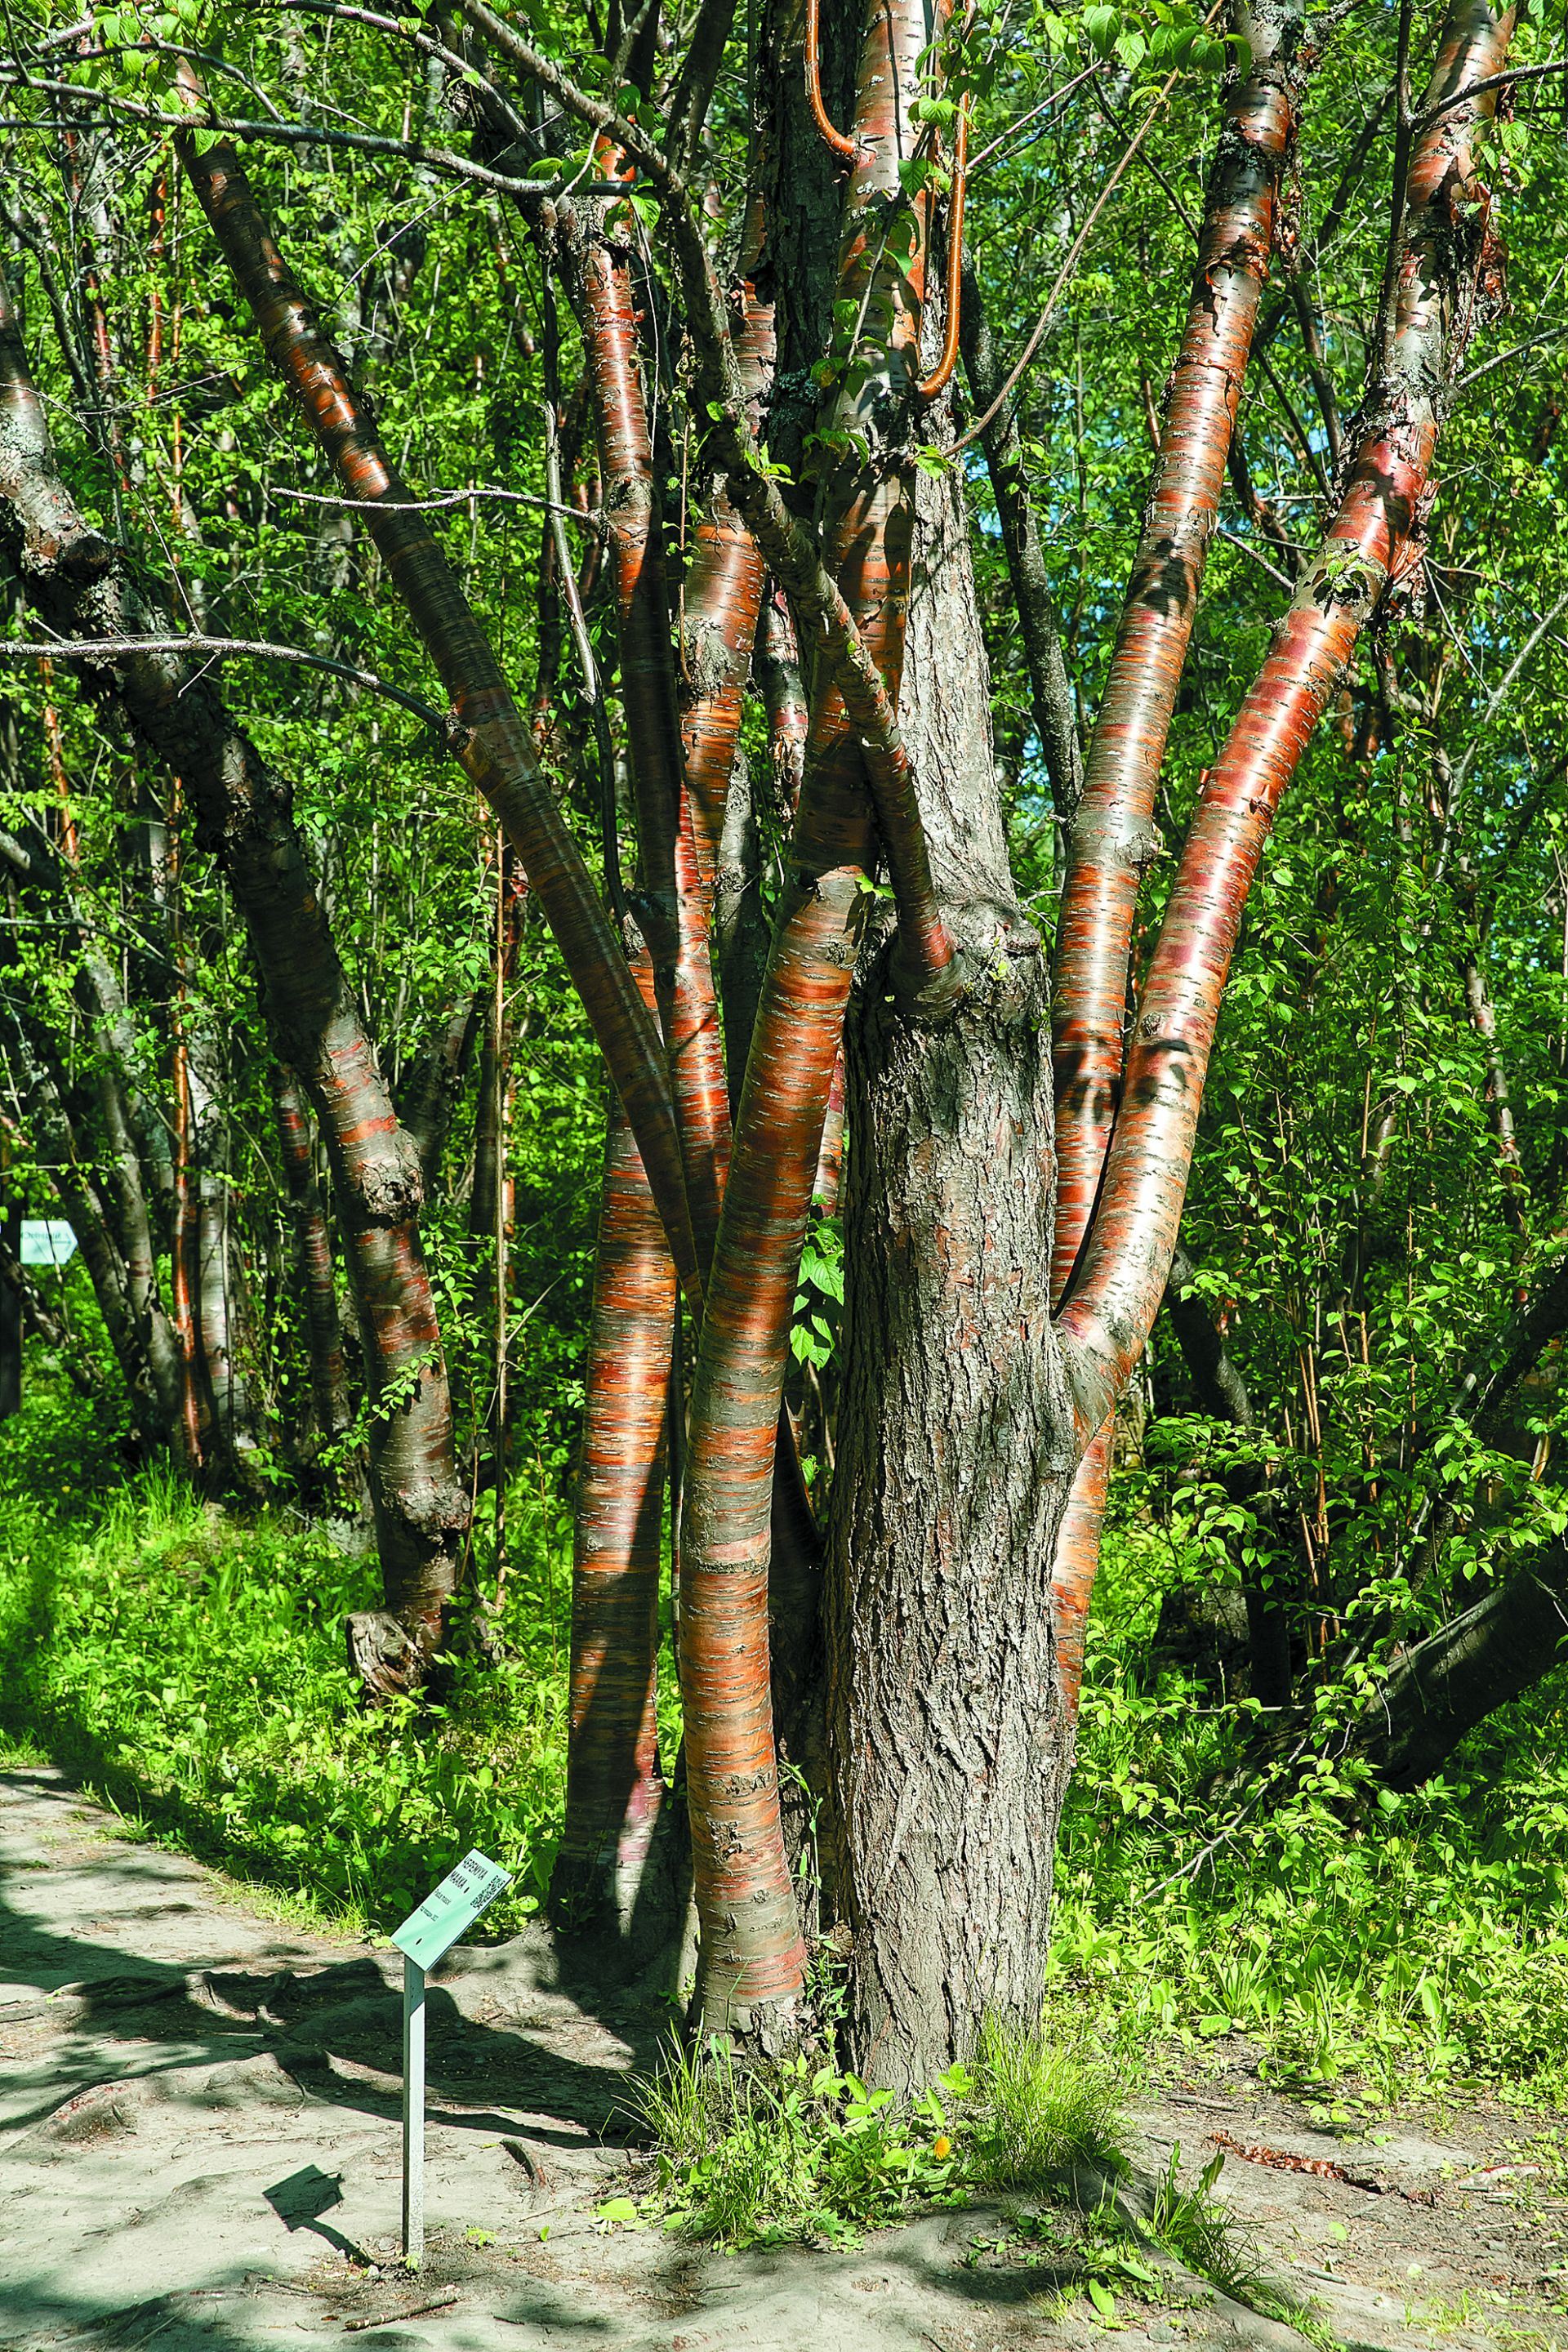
{"x": 187, "y": 1667}
{"x": 1368, "y": 1947}
{"x": 1047, "y": 2100}
{"x": 763, "y": 2155}
{"x": 759, "y": 2155}
{"x": 1192, "y": 2224}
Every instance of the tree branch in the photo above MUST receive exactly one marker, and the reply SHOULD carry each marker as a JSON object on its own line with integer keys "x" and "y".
{"x": 1113, "y": 838}
{"x": 1447, "y": 254}
{"x": 107, "y": 650}
{"x": 486, "y": 731}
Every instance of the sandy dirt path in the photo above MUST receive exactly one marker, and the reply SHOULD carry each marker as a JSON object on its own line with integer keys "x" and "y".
{"x": 200, "y": 2147}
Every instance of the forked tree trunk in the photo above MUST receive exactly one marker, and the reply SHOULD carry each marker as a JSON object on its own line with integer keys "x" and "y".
{"x": 948, "y": 1735}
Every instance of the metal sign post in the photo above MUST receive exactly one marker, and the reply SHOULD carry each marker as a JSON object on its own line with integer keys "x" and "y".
{"x": 413, "y": 2113}
{"x": 423, "y": 1938}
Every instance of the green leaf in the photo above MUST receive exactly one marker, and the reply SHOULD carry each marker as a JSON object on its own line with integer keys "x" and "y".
{"x": 1102, "y": 24}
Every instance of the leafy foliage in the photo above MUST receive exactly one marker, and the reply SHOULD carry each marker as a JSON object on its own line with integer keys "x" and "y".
{"x": 1366, "y": 1944}
{"x": 190, "y": 1667}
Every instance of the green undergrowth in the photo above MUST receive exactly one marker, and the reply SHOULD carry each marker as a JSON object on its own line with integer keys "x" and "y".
{"x": 189, "y": 1667}
{"x": 796, "y": 2152}
{"x": 747, "y": 2156}
{"x": 1357, "y": 1945}
{"x": 1191, "y": 2222}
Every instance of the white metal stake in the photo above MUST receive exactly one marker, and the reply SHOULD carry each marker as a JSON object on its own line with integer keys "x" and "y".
{"x": 413, "y": 2112}
{"x": 424, "y": 1938}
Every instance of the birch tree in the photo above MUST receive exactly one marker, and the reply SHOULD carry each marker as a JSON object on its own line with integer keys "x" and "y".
{"x": 785, "y": 377}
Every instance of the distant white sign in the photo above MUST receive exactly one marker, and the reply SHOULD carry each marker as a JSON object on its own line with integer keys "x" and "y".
{"x": 457, "y": 1902}
{"x": 46, "y": 1241}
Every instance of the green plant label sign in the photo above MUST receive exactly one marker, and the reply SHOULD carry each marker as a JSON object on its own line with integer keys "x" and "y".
{"x": 46, "y": 1241}
{"x": 457, "y": 1902}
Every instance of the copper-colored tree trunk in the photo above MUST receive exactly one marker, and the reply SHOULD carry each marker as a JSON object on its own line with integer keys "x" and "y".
{"x": 1112, "y": 840}
{"x": 1449, "y": 279}
{"x": 615, "y": 1787}
{"x": 675, "y": 881}
{"x": 313, "y": 1262}
{"x": 751, "y": 1964}
{"x": 1120, "y": 1215}
{"x": 1112, "y": 837}
{"x": 490, "y": 734}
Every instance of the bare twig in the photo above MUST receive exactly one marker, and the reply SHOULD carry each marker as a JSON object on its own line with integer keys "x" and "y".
{"x": 110, "y": 649}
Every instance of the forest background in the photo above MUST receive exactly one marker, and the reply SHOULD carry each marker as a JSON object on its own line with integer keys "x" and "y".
{"x": 1337, "y": 1446}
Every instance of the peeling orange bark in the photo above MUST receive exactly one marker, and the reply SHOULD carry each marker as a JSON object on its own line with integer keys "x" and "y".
{"x": 1075, "y": 1563}
{"x": 751, "y": 1960}
{"x": 489, "y": 735}
{"x": 674, "y": 904}
{"x": 1112, "y": 839}
{"x": 615, "y": 1788}
{"x": 723, "y": 597}
{"x": 1448, "y": 277}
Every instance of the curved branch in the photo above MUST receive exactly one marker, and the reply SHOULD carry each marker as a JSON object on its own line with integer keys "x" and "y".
{"x": 937, "y": 379}
{"x": 486, "y": 731}
{"x": 107, "y": 650}
{"x": 1448, "y": 271}
{"x": 1112, "y": 840}
{"x": 831, "y": 137}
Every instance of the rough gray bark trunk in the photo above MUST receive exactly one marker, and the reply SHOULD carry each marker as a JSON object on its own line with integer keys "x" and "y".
{"x": 330, "y": 1410}
{"x": 949, "y": 1741}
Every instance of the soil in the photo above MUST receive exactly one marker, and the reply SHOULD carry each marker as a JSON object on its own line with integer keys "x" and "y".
{"x": 200, "y": 2147}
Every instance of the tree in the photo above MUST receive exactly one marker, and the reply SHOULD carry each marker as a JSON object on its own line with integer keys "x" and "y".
{"x": 1004, "y": 1265}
